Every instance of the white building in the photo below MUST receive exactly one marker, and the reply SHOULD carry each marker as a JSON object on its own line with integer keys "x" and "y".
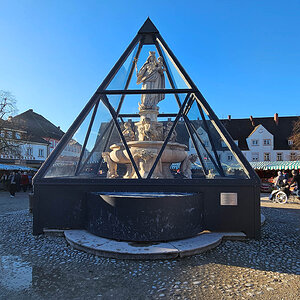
{"x": 260, "y": 139}
{"x": 32, "y": 138}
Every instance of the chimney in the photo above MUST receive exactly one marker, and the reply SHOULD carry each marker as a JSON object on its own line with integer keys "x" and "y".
{"x": 58, "y": 127}
{"x": 276, "y": 119}
{"x": 9, "y": 119}
{"x": 229, "y": 117}
{"x": 252, "y": 121}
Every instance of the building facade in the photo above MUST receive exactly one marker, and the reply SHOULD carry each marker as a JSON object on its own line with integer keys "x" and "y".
{"x": 264, "y": 139}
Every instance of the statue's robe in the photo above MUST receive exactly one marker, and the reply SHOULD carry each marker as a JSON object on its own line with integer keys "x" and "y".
{"x": 151, "y": 79}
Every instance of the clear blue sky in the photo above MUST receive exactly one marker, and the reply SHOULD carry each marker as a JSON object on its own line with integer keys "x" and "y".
{"x": 244, "y": 56}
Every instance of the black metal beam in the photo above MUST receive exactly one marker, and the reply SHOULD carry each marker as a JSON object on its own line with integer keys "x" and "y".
{"x": 137, "y": 115}
{"x": 139, "y": 92}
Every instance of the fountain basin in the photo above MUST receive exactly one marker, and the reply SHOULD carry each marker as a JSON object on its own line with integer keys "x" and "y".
{"x": 142, "y": 216}
{"x": 145, "y": 153}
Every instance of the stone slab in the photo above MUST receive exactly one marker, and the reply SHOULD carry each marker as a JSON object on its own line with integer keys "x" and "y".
{"x": 197, "y": 244}
{"x": 85, "y": 241}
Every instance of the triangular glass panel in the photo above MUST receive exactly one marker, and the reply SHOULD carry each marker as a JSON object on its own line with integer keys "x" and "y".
{"x": 106, "y": 154}
{"x": 67, "y": 161}
{"x": 101, "y": 132}
{"x": 118, "y": 82}
{"x": 178, "y": 79}
{"x": 201, "y": 142}
{"x": 224, "y": 156}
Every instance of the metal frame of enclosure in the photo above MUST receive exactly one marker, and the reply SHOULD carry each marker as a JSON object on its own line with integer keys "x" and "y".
{"x": 60, "y": 202}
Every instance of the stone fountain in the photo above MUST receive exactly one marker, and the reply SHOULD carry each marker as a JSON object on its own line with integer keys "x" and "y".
{"x": 146, "y": 137}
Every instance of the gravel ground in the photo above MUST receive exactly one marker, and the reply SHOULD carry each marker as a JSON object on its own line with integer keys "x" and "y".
{"x": 46, "y": 267}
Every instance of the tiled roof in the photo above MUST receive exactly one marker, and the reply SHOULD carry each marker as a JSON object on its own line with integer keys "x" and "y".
{"x": 26, "y": 136}
{"x": 37, "y": 125}
{"x": 240, "y": 129}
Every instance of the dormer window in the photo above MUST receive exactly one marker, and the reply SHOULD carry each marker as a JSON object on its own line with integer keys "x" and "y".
{"x": 290, "y": 142}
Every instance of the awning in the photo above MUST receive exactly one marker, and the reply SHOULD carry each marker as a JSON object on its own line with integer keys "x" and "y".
{"x": 15, "y": 168}
{"x": 275, "y": 165}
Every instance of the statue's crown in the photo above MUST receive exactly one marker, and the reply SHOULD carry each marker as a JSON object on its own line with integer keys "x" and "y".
{"x": 151, "y": 53}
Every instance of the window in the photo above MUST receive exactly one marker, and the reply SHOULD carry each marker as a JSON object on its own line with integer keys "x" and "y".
{"x": 255, "y": 156}
{"x": 266, "y": 156}
{"x": 267, "y": 142}
{"x": 290, "y": 142}
{"x": 229, "y": 157}
{"x": 41, "y": 152}
{"x": 279, "y": 156}
{"x": 2, "y": 134}
{"x": 293, "y": 156}
{"x": 223, "y": 144}
{"x": 255, "y": 143}
{"x": 18, "y": 135}
{"x": 9, "y": 134}
{"x": 29, "y": 151}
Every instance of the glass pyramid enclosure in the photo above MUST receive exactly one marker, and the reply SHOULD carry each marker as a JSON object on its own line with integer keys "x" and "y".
{"x": 124, "y": 133}
{"x": 147, "y": 127}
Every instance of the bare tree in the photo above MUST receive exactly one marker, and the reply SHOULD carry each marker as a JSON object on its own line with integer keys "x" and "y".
{"x": 295, "y": 137}
{"x": 7, "y": 109}
{"x": 7, "y": 104}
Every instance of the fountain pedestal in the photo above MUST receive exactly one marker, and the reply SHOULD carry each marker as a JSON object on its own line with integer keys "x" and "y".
{"x": 144, "y": 217}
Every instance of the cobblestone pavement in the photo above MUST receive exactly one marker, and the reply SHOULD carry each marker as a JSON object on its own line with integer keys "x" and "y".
{"x": 47, "y": 268}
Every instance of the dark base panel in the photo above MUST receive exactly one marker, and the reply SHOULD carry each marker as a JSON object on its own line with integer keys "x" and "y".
{"x": 63, "y": 204}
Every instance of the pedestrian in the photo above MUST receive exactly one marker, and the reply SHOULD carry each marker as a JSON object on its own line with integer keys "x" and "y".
{"x": 279, "y": 180}
{"x": 24, "y": 181}
{"x": 12, "y": 184}
{"x": 295, "y": 179}
{"x": 285, "y": 175}
{"x": 18, "y": 181}
{"x": 30, "y": 180}
{"x": 5, "y": 181}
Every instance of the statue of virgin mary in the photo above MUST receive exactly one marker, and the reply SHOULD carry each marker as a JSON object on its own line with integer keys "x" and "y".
{"x": 151, "y": 75}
